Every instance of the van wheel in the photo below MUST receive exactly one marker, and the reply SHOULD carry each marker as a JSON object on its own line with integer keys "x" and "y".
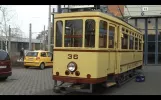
{"x": 3, "y": 78}
{"x": 42, "y": 66}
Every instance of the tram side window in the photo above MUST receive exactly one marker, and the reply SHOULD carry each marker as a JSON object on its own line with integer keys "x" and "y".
{"x": 136, "y": 43}
{"x": 103, "y": 34}
{"x": 139, "y": 44}
{"x": 125, "y": 41}
{"x": 59, "y": 30}
{"x": 111, "y": 36}
{"x": 131, "y": 44}
{"x": 73, "y": 33}
{"x": 90, "y": 33}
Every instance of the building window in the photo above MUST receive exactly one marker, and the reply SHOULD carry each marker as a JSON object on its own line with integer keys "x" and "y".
{"x": 111, "y": 36}
{"x": 159, "y": 23}
{"x": 151, "y": 23}
{"x": 151, "y": 35}
{"x": 151, "y": 47}
{"x": 142, "y": 31}
{"x": 73, "y": 33}
{"x": 90, "y": 33}
{"x": 131, "y": 21}
{"x": 151, "y": 58}
{"x": 124, "y": 41}
{"x": 59, "y": 32}
{"x": 103, "y": 34}
{"x": 131, "y": 44}
{"x": 159, "y": 35}
{"x": 159, "y": 47}
{"x": 141, "y": 23}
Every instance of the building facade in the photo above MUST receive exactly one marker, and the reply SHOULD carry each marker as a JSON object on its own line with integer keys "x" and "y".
{"x": 148, "y": 19}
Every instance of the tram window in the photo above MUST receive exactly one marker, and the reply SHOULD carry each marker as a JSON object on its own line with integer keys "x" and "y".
{"x": 136, "y": 43}
{"x": 59, "y": 30}
{"x": 90, "y": 33}
{"x": 131, "y": 42}
{"x": 139, "y": 44}
{"x": 125, "y": 41}
{"x": 111, "y": 36}
{"x": 103, "y": 34}
{"x": 73, "y": 33}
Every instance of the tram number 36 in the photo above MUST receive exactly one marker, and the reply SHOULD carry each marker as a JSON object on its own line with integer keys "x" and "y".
{"x": 72, "y": 56}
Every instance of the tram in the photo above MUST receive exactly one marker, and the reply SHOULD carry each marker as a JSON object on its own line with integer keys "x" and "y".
{"x": 94, "y": 48}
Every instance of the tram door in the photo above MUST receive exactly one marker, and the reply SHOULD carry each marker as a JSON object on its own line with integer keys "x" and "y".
{"x": 113, "y": 46}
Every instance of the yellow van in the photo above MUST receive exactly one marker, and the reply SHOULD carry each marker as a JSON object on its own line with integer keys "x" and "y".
{"x": 39, "y": 59}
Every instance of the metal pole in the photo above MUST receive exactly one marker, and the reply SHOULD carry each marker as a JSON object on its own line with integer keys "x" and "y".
{"x": 9, "y": 40}
{"x": 49, "y": 29}
{"x": 40, "y": 44}
{"x": 30, "y": 37}
{"x": 44, "y": 37}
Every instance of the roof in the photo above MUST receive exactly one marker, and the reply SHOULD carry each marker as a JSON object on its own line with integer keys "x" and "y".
{"x": 39, "y": 51}
{"x": 17, "y": 39}
{"x": 98, "y": 14}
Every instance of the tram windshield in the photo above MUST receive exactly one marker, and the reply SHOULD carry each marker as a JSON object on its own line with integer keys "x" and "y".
{"x": 73, "y": 33}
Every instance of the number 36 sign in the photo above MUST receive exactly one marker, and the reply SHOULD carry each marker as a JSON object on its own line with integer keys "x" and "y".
{"x": 72, "y": 56}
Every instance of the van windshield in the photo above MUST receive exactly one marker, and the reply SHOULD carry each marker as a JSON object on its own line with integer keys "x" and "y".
{"x": 4, "y": 56}
{"x": 32, "y": 54}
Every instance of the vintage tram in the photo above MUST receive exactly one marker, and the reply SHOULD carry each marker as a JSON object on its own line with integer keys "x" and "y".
{"x": 94, "y": 48}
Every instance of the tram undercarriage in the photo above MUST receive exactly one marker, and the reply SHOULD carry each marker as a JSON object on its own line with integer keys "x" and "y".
{"x": 112, "y": 80}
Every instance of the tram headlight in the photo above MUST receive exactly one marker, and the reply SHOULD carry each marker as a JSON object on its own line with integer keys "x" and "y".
{"x": 72, "y": 66}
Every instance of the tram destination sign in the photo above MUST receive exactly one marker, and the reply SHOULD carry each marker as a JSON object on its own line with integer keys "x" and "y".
{"x": 77, "y": 6}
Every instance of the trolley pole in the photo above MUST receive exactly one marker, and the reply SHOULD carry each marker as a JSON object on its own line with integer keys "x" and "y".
{"x": 9, "y": 40}
{"x": 49, "y": 30}
{"x": 30, "y": 36}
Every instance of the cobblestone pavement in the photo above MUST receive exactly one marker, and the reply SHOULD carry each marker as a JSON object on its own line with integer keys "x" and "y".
{"x": 39, "y": 82}
{"x": 27, "y": 81}
{"x": 151, "y": 86}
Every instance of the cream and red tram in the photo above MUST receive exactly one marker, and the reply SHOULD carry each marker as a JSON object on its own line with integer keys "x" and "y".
{"x": 94, "y": 48}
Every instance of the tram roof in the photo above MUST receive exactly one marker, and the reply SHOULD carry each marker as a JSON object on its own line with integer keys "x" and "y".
{"x": 97, "y": 14}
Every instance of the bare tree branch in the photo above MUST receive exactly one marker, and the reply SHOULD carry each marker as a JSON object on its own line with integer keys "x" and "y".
{"x": 7, "y": 16}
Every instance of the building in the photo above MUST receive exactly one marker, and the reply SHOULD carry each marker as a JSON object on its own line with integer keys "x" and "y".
{"x": 148, "y": 19}
{"x": 17, "y": 43}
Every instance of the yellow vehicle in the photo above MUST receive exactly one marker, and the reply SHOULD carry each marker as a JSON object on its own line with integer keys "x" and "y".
{"x": 94, "y": 48}
{"x": 39, "y": 59}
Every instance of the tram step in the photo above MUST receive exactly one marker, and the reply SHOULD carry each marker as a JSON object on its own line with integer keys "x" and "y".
{"x": 109, "y": 84}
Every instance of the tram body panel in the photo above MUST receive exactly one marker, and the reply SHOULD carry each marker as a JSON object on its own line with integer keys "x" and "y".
{"x": 86, "y": 63}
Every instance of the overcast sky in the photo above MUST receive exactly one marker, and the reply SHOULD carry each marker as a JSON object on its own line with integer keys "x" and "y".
{"x": 36, "y": 14}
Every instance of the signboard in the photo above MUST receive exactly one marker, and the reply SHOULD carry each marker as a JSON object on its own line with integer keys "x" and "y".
{"x": 144, "y": 8}
{"x": 77, "y": 6}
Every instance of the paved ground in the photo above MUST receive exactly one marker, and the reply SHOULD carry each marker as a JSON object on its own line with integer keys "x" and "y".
{"x": 27, "y": 82}
{"x": 39, "y": 82}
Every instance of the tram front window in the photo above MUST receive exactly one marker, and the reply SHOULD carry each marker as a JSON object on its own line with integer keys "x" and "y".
{"x": 73, "y": 33}
{"x": 90, "y": 33}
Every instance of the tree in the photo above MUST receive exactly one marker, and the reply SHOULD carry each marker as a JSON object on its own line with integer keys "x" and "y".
{"x": 6, "y": 17}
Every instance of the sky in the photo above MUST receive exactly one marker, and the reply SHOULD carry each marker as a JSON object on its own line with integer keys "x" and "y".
{"x": 37, "y": 15}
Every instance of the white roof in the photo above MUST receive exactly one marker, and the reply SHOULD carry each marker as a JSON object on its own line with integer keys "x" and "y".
{"x": 17, "y": 39}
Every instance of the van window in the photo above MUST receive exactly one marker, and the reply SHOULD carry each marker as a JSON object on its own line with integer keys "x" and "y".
{"x": 4, "y": 56}
{"x": 43, "y": 54}
{"x": 49, "y": 54}
{"x": 32, "y": 54}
